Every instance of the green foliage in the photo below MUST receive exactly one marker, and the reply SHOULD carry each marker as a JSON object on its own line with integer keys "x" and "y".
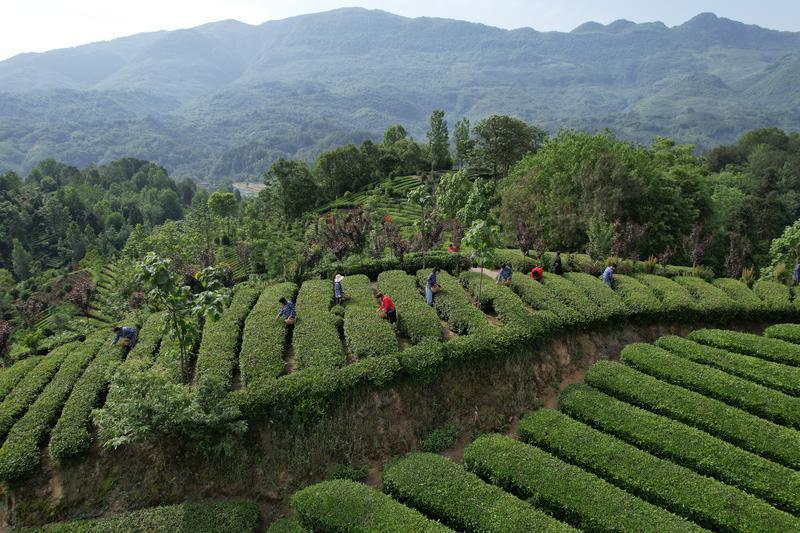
{"x": 284, "y": 525}
{"x": 712, "y": 300}
{"x": 442, "y": 489}
{"x": 541, "y": 298}
{"x": 684, "y": 445}
{"x": 740, "y": 293}
{"x": 440, "y": 439}
{"x": 12, "y": 375}
{"x": 146, "y": 403}
{"x": 353, "y": 473}
{"x": 342, "y": 505}
{"x": 600, "y": 294}
{"x": 264, "y": 336}
{"x": 749, "y": 432}
{"x": 776, "y": 297}
{"x": 567, "y": 491}
{"x": 502, "y": 300}
{"x": 751, "y": 397}
{"x": 777, "y": 376}
{"x": 483, "y": 238}
{"x": 749, "y": 344}
{"x": 673, "y": 486}
{"x": 501, "y": 141}
{"x": 297, "y": 191}
{"x": 575, "y": 298}
{"x": 367, "y": 334}
{"x": 453, "y": 306}
{"x": 785, "y": 250}
{"x": 316, "y": 334}
{"x": 784, "y": 332}
{"x": 185, "y": 518}
{"x": 417, "y": 321}
{"x": 439, "y": 142}
{"x": 675, "y": 298}
{"x": 637, "y": 297}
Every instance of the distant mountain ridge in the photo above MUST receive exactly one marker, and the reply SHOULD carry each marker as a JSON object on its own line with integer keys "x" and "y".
{"x": 225, "y": 99}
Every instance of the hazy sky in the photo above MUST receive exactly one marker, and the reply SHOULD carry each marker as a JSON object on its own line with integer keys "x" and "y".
{"x": 38, "y": 25}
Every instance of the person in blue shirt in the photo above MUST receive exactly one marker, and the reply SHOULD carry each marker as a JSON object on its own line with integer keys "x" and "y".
{"x": 608, "y": 276}
{"x": 504, "y": 278}
{"x": 338, "y": 292}
{"x": 796, "y": 273}
{"x": 287, "y": 311}
{"x": 431, "y": 284}
{"x": 130, "y": 334}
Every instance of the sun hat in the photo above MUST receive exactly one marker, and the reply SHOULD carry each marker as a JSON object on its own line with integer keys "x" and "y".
{"x": 338, "y": 278}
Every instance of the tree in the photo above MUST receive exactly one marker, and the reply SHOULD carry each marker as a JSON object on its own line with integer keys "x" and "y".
{"x": 296, "y": 189}
{"x": 696, "y": 244}
{"x": 224, "y": 206}
{"x": 81, "y": 293}
{"x": 341, "y": 170}
{"x": 21, "y": 260}
{"x": 5, "y": 337}
{"x": 784, "y": 250}
{"x": 501, "y": 141}
{"x": 393, "y": 134}
{"x": 452, "y": 192}
{"x": 439, "y": 142}
{"x": 202, "y": 223}
{"x": 463, "y": 143}
{"x": 483, "y": 238}
{"x": 184, "y": 309}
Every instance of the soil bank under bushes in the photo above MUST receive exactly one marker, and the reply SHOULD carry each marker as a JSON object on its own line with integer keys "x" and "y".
{"x": 277, "y": 458}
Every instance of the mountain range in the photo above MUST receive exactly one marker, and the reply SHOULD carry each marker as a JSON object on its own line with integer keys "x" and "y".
{"x": 225, "y": 99}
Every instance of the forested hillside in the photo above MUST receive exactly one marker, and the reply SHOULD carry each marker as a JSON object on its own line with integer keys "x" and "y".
{"x": 225, "y": 100}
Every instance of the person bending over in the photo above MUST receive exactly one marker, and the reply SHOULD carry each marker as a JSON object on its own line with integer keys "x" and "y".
{"x": 431, "y": 285}
{"x": 128, "y": 334}
{"x": 387, "y": 309}
{"x": 287, "y": 311}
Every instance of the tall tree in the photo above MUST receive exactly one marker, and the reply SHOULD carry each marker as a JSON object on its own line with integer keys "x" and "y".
{"x": 501, "y": 141}
{"x": 22, "y": 260}
{"x": 296, "y": 190}
{"x": 463, "y": 143}
{"x": 439, "y": 142}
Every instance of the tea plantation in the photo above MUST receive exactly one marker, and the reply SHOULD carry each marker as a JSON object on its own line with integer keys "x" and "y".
{"x": 682, "y": 435}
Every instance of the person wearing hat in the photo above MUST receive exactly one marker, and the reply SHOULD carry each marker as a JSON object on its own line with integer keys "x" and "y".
{"x": 338, "y": 292}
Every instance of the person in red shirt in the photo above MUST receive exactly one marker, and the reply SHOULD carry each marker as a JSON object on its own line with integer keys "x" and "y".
{"x": 452, "y": 248}
{"x": 386, "y": 309}
{"x": 536, "y": 274}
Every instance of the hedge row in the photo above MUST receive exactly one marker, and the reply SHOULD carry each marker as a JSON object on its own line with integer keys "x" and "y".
{"x": 20, "y": 455}
{"x": 684, "y": 445}
{"x": 340, "y": 505}
{"x": 315, "y": 337}
{"x": 746, "y": 395}
{"x": 508, "y": 306}
{"x": 149, "y": 337}
{"x": 12, "y": 375}
{"x": 540, "y": 298}
{"x": 416, "y": 319}
{"x": 569, "y": 492}
{"x": 442, "y": 489}
{"x": 222, "y": 338}
{"x": 776, "y": 296}
{"x": 284, "y": 525}
{"x": 662, "y": 482}
{"x": 212, "y": 517}
{"x": 675, "y": 298}
{"x": 169, "y": 358}
{"x": 740, "y": 293}
{"x": 747, "y": 431}
{"x": 574, "y": 297}
{"x": 453, "y": 305}
{"x": 784, "y": 332}
{"x": 712, "y": 300}
{"x": 367, "y": 334}
{"x": 411, "y": 263}
{"x": 71, "y": 434}
{"x": 749, "y": 344}
{"x": 637, "y": 297}
{"x": 264, "y": 337}
{"x": 774, "y": 375}
{"x": 26, "y": 391}
{"x": 609, "y": 302}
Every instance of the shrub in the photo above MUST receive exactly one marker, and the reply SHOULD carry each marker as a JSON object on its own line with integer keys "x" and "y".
{"x": 637, "y": 297}
{"x": 749, "y": 344}
{"x": 149, "y": 338}
{"x": 776, "y": 297}
{"x": 26, "y": 391}
{"x": 316, "y": 336}
{"x": 71, "y": 434}
{"x": 506, "y": 304}
{"x": 442, "y": 489}
{"x": 684, "y": 445}
{"x": 15, "y": 373}
{"x": 574, "y": 297}
{"x": 186, "y": 518}
{"x": 284, "y": 525}
{"x": 673, "y": 486}
{"x": 675, "y": 300}
{"x": 749, "y": 432}
{"x": 417, "y": 321}
{"x": 20, "y": 455}
{"x": 341, "y": 505}
{"x": 608, "y": 301}
{"x": 784, "y": 332}
{"x": 411, "y": 263}
{"x": 567, "y": 491}
{"x": 440, "y": 439}
{"x": 757, "y": 399}
{"x": 264, "y": 337}
{"x": 741, "y": 294}
{"x": 366, "y": 333}
{"x": 540, "y": 298}
{"x": 712, "y": 300}
{"x": 353, "y": 473}
{"x": 222, "y": 338}
{"x": 169, "y": 357}
{"x": 453, "y": 305}
{"x": 774, "y": 375}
